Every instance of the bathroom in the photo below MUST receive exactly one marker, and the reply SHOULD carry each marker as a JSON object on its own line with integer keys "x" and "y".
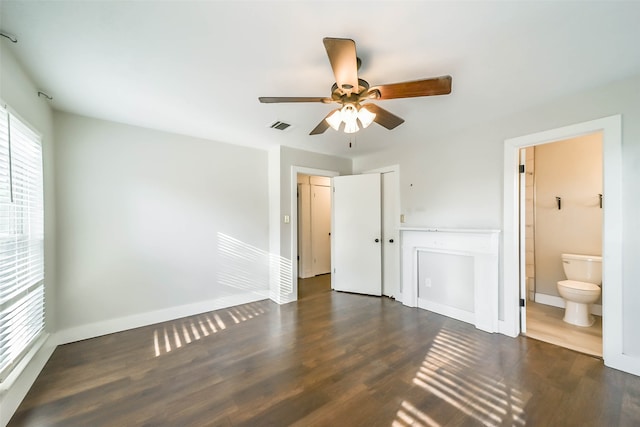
{"x": 563, "y": 210}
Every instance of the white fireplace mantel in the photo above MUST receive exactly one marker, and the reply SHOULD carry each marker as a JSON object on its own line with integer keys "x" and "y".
{"x": 481, "y": 244}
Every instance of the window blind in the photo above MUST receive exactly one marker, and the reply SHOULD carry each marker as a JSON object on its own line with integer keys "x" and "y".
{"x": 21, "y": 240}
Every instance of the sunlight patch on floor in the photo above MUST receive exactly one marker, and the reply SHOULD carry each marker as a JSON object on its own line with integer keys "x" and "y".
{"x": 452, "y": 372}
{"x": 171, "y": 337}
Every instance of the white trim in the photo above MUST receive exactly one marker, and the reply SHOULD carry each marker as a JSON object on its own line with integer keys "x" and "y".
{"x": 556, "y": 301}
{"x": 385, "y": 169}
{"x": 110, "y": 326}
{"x": 447, "y": 310}
{"x": 482, "y": 245}
{"x": 504, "y": 328}
{"x": 24, "y": 362}
{"x": 295, "y": 170}
{"x": 16, "y": 386}
{"x": 611, "y": 128}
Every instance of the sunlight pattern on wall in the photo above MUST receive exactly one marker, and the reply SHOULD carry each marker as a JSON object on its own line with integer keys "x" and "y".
{"x": 280, "y": 279}
{"x": 252, "y": 269}
{"x": 175, "y": 335}
{"x": 452, "y": 372}
{"x": 242, "y": 266}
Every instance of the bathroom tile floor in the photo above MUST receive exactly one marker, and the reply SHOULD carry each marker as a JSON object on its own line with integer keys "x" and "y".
{"x": 545, "y": 323}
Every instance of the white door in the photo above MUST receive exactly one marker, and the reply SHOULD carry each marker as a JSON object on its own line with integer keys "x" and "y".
{"x": 390, "y": 238}
{"x": 356, "y": 247}
{"x": 321, "y": 229}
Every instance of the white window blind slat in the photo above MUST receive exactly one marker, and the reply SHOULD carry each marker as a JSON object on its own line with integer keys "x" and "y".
{"x": 22, "y": 315}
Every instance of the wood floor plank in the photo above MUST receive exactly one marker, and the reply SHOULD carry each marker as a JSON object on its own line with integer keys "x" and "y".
{"x": 330, "y": 359}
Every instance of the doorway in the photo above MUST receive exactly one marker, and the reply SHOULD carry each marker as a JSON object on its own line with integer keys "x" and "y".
{"x": 560, "y": 213}
{"x": 391, "y": 218}
{"x": 314, "y": 225}
{"x": 611, "y": 128}
{"x": 296, "y": 172}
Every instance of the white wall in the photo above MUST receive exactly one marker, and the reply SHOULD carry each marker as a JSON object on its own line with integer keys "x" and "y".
{"x": 154, "y": 226}
{"x": 457, "y": 180}
{"x": 570, "y": 169}
{"x": 446, "y": 279}
{"x": 21, "y": 95}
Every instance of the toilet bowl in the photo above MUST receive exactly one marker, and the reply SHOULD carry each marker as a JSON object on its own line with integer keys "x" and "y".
{"x": 582, "y": 287}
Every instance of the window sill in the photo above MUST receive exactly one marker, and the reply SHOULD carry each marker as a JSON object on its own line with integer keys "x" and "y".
{"x": 6, "y": 384}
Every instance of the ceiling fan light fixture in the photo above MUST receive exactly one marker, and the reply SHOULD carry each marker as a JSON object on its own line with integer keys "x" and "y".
{"x": 351, "y": 127}
{"x": 349, "y": 115}
{"x": 365, "y": 116}
{"x": 335, "y": 120}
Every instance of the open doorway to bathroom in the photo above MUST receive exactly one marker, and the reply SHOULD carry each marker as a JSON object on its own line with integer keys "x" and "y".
{"x": 561, "y": 213}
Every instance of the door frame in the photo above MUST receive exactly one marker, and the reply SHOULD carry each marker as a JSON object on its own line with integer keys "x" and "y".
{"x": 522, "y": 241}
{"x": 295, "y": 170}
{"x": 612, "y": 333}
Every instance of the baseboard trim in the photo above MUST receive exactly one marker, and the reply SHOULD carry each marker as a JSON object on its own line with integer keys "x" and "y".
{"x": 111, "y": 326}
{"x": 445, "y": 310}
{"x": 507, "y": 329}
{"x": 556, "y": 301}
{"x": 623, "y": 362}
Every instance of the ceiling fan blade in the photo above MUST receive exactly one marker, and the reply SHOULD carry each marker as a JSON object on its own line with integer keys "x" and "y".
{"x": 426, "y": 87}
{"x": 344, "y": 62}
{"x": 323, "y": 125}
{"x": 276, "y": 99}
{"x": 383, "y": 117}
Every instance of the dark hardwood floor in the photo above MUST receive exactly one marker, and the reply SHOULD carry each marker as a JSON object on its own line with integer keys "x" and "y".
{"x": 330, "y": 359}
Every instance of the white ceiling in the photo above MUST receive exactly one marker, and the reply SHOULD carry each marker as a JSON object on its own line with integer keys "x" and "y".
{"x": 198, "y": 67}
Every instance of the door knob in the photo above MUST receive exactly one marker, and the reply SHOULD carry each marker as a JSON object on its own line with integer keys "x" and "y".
{"x": 377, "y": 240}
{"x": 390, "y": 240}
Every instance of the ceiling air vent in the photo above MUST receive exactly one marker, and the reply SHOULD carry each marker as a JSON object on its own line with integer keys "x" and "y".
{"x": 278, "y": 125}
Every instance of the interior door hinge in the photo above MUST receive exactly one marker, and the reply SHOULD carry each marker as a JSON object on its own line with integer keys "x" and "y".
{"x": 521, "y": 302}
{"x": 521, "y": 168}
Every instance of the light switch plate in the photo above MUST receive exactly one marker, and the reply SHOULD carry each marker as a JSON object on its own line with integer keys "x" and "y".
{"x": 286, "y": 219}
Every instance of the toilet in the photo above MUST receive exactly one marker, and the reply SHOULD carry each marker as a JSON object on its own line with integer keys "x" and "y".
{"x": 582, "y": 287}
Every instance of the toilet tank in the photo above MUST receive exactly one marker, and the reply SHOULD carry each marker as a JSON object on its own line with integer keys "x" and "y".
{"x": 584, "y": 268}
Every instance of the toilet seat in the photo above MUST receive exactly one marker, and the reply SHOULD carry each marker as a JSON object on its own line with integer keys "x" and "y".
{"x": 579, "y": 286}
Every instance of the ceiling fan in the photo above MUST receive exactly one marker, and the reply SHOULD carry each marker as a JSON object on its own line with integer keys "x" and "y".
{"x": 351, "y": 92}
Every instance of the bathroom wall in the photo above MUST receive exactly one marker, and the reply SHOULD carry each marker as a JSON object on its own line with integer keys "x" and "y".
{"x": 572, "y": 170}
